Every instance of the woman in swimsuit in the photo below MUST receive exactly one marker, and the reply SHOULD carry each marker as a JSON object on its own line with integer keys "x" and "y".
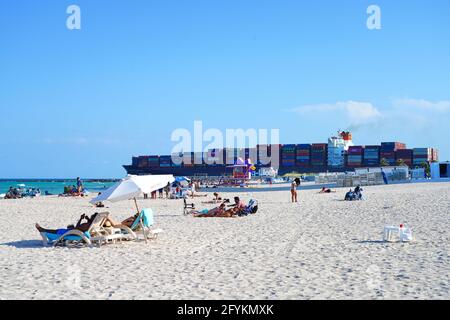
{"x": 294, "y": 191}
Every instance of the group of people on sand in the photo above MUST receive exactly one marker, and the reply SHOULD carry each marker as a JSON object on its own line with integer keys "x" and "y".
{"x": 74, "y": 190}
{"x": 222, "y": 211}
{"x": 297, "y": 182}
{"x": 356, "y": 194}
{"x": 13, "y": 193}
{"x": 19, "y": 193}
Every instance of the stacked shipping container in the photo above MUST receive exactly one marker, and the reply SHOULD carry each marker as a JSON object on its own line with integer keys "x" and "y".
{"x": 303, "y": 155}
{"x": 315, "y": 157}
{"x": 288, "y": 155}
{"x": 406, "y": 155}
{"x": 422, "y": 155}
{"x": 214, "y": 157}
{"x": 319, "y": 153}
{"x": 250, "y": 154}
{"x": 355, "y": 156}
{"x": 388, "y": 150}
{"x": 265, "y": 153}
{"x": 188, "y": 159}
{"x": 143, "y": 162}
{"x": 153, "y": 161}
{"x": 371, "y": 156}
{"x": 198, "y": 159}
{"x": 179, "y": 159}
{"x": 165, "y": 161}
{"x": 230, "y": 155}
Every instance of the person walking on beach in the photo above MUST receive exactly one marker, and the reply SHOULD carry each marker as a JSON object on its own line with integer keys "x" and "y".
{"x": 294, "y": 191}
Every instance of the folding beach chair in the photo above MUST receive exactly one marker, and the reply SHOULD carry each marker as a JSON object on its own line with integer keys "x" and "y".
{"x": 187, "y": 207}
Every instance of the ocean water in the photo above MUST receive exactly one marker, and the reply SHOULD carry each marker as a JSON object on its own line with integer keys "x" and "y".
{"x": 53, "y": 186}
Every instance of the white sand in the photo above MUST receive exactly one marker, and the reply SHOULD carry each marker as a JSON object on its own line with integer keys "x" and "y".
{"x": 321, "y": 248}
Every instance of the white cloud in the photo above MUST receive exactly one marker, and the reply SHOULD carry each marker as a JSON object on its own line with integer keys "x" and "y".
{"x": 357, "y": 113}
{"x": 423, "y": 105}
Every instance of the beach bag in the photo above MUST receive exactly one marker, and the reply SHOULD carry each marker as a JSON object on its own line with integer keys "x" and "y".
{"x": 349, "y": 196}
{"x": 253, "y": 206}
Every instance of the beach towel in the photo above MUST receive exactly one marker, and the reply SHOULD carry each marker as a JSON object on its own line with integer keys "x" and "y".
{"x": 60, "y": 232}
{"x": 147, "y": 219}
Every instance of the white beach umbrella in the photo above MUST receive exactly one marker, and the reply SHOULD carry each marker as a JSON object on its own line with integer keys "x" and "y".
{"x": 133, "y": 186}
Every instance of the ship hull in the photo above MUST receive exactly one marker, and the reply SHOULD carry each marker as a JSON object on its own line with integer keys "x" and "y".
{"x": 217, "y": 171}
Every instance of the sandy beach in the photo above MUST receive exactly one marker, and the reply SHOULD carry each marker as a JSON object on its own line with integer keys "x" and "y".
{"x": 320, "y": 248}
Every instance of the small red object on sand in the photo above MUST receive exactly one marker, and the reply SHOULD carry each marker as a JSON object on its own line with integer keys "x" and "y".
{"x": 401, "y": 226}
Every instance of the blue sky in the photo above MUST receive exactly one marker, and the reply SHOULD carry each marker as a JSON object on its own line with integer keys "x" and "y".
{"x": 82, "y": 102}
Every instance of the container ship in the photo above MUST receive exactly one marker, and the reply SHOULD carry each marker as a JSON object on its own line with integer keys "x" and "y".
{"x": 339, "y": 154}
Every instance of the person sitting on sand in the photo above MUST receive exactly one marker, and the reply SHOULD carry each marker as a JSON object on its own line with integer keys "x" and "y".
{"x": 349, "y": 195}
{"x": 237, "y": 207}
{"x": 71, "y": 192}
{"x": 354, "y": 195}
{"x": 13, "y": 193}
{"x": 10, "y": 194}
{"x": 326, "y": 190}
{"x": 358, "y": 192}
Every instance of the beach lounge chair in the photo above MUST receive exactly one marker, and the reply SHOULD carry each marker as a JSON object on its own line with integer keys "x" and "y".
{"x": 251, "y": 208}
{"x": 143, "y": 225}
{"x": 96, "y": 234}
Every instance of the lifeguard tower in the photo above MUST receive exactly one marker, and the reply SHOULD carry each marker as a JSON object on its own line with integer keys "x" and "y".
{"x": 242, "y": 173}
